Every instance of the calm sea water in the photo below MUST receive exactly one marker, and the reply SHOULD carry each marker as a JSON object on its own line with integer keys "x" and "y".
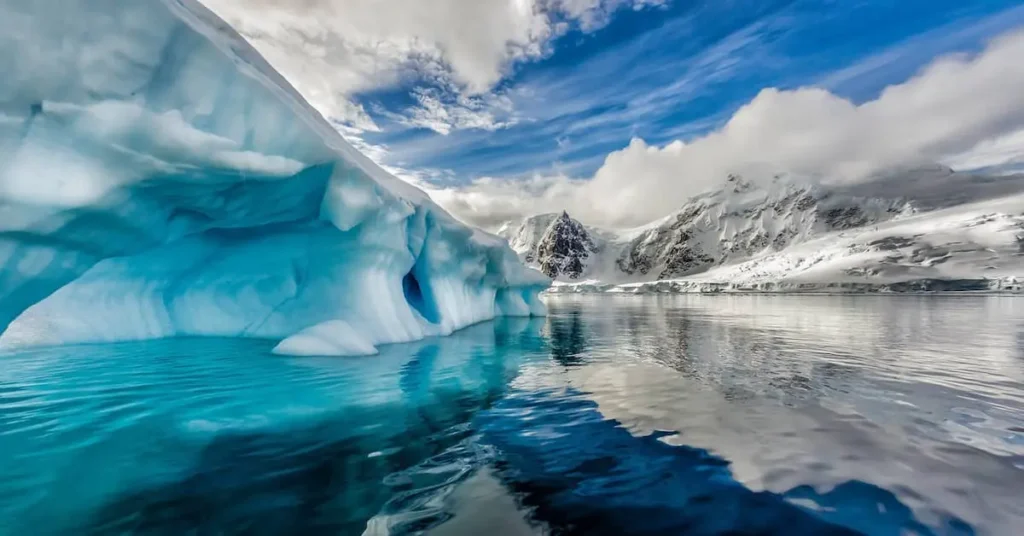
{"x": 616, "y": 415}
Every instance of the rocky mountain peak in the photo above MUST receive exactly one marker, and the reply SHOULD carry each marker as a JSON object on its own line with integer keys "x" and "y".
{"x": 564, "y": 248}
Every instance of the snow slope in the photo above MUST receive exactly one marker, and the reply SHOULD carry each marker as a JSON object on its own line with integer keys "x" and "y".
{"x": 925, "y": 229}
{"x": 158, "y": 178}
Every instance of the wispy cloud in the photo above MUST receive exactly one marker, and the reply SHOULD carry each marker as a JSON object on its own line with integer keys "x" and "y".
{"x": 444, "y": 111}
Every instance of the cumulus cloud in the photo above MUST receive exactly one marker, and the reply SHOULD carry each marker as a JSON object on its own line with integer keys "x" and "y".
{"x": 953, "y": 108}
{"x": 332, "y": 49}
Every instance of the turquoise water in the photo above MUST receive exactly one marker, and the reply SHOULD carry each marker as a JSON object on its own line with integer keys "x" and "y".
{"x": 615, "y": 415}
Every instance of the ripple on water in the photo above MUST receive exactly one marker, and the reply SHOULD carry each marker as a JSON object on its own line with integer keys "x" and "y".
{"x": 695, "y": 415}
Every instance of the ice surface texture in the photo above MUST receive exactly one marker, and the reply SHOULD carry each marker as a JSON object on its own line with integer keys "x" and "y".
{"x": 158, "y": 178}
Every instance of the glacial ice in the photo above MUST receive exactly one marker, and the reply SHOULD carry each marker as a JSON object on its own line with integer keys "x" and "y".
{"x": 158, "y": 178}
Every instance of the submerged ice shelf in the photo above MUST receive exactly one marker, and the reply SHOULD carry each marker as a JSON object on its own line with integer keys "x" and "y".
{"x": 158, "y": 178}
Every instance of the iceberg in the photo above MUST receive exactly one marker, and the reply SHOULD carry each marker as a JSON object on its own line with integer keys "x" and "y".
{"x": 158, "y": 178}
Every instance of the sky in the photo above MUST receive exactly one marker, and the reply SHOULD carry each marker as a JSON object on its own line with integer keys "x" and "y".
{"x": 620, "y": 110}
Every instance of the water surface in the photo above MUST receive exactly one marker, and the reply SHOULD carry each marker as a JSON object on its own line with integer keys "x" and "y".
{"x": 696, "y": 415}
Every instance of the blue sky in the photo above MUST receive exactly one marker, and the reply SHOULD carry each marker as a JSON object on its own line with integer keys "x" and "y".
{"x": 678, "y": 71}
{"x": 619, "y": 110}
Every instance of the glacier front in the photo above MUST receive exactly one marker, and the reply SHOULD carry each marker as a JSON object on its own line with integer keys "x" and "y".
{"x": 158, "y": 179}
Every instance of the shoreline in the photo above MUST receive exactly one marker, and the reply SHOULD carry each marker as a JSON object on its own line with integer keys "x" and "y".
{"x": 925, "y": 287}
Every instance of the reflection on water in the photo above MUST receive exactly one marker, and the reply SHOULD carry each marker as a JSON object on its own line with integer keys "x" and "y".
{"x": 220, "y": 436}
{"x": 921, "y": 397}
{"x": 615, "y": 415}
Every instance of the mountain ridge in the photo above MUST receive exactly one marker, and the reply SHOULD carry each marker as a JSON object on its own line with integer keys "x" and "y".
{"x": 745, "y": 236}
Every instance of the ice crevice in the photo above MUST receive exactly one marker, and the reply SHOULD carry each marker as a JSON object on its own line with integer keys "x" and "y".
{"x": 159, "y": 179}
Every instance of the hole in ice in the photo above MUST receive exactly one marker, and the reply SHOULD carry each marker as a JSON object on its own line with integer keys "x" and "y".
{"x": 416, "y": 298}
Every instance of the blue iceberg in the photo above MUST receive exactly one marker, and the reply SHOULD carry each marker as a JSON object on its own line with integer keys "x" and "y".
{"x": 158, "y": 178}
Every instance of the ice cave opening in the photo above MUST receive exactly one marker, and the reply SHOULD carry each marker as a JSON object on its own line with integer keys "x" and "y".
{"x": 418, "y": 300}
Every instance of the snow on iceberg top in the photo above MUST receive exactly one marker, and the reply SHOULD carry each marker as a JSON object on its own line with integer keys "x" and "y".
{"x": 107, "y": 71}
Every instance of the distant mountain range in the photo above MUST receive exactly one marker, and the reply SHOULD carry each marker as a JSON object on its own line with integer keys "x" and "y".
{"x": 921, "y": 230}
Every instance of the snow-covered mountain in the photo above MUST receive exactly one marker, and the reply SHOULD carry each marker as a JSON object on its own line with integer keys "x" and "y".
{"x": 927, "y": 228}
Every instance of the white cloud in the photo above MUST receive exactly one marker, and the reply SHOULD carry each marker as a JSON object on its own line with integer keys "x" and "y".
{"x": 956, "y": 104}
{"x": 332, "y": 49}
{"x": 444, "y": 111}
{"x": 1003, "y": 152}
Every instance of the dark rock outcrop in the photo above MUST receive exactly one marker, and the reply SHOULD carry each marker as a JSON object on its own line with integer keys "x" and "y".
{"x": 564, "y": 248}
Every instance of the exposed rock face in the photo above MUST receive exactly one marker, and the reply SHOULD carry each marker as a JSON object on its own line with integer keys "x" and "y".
{"x": 741, "y": 221}
{"x": 557, "y": 244}
{"x": 564, "y": 248}
{"x": 526, "y": 235}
